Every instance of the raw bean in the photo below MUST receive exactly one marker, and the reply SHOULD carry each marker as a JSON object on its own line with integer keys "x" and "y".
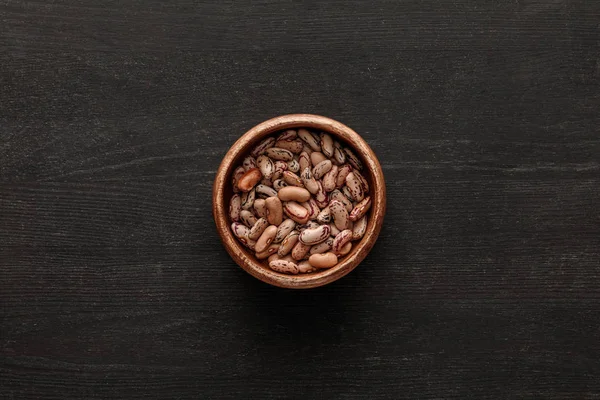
{"x": 309, "y": 225}
{"x": 359, "y": 229}
{"x": 273, "y": 257}
{"x": 330, "y": 178}
{"x": 272, "y": 249}
{"x": 293, "y": 166}
{"x": 274, "y": 210}
{"x": 280, "y": 154}
{"x": 338, "y": 154}
{"x": 310, "y": 139}
{"x": 339, "y": 196}
{"x": 240, "y": 230}
{"x": 360, "y": 209}
{"x": 294, "y": 193}
{"x": 322, "y": 247}
{"x": 279, "y": 184}
{"x": 258, "y": 228}
{"x": 362, "y": 180}
{"x": 312, "y": 207}
{"x": 304, "y": 161}
{"x": 306, "y": 149}
{"x": 262, "y": 146}
{"x": 294, "y": 146}
{"x": 296, "y": 212}
{"x": 355, "y": 187}
{"x": 339, "y": 214}
{"x": 247, "y": 218}
{"x": 290, "y": 134}
{"x": 266, "y": 166}
{"x": 315, "y": 236}
{"x": 249, "y": 179}
{"x": 324, "y": 217}
{"x": 321, "y": 196}
{"x": 264, "y": 191}
{"x": 304, "y": 267}
{"x": 285, "y": 267}
{"x": 323, "y": 261}
{"x": 300, "y": 251}
{"x": 284, "y": 229}
{"x": 260, "y": 209}
{"x": 317, "y": 157}
{"x": 352, "y": 159}
{"x": 265, "y": 239}
{"x": 249, "y": 163}
{"x": 321, "y": 168}
{"x": 280, "y": 167}
{"x": 248, "y": 199}
{"x": 340, "y": 240}
{"x": 341, "y": 178}
{"x": 288, "y": 243}
{"x": 249, "y": 243}
{"x": 309, "y": 182}
{"x": 235, "y": 178}
{"x": 235, "y": 207}
{"x": 334, "y": 229}
{"x": 292, "y": 179}
{"x": 326, "y": 144}
{"x": 345, "y": 250}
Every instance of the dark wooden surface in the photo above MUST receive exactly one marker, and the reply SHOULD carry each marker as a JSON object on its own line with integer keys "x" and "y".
{"x": 484, "y": 284}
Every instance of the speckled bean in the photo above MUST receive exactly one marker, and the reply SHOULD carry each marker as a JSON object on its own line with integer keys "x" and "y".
{"x": 284, "y": 229}
{"x": 274, "y": 210}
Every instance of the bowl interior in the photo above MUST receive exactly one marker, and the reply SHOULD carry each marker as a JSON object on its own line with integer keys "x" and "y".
{"x": 223, "y": 192}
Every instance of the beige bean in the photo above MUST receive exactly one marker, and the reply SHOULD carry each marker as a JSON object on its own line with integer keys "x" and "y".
{"x": 359, "y": 228}
{"x": 340, "y": 240}
{"x": 312, "y": 207}
{"x": 274, "y": 210}
{"x": 277, "y": 153}
{"x": 330, "y": 179}
{"x": 339, "y": 214}
{"x": 247, "y": 218}
{"x": 249, "y": 179}
{"x": 264, "y": 191}
{"x": 249, "y": 243}
{"x": 294, "y": 146}
{"x": 296, "y": 212}
{"x": 304, "y": 267}
{"x": 304, "y": 161}
{"x": 342, "y": 174}
{"x": 273, "y": 257}
{"x": 288, "y": 243}
{"x": 326, "y": 144}
{"x": 235, "y": 178}
{"x": 360, "y": 209}
{"x": 315, "y": 236}
{"x": 260, "y": 209}
{"x": 279, "y": 184}
{"x": 292, "y": 179}
{"x": 346, "y": 192}
{"x": 339, "y": 196}
{"x": 279, "y": 168}
{"x": 294, "y": 193}
{"x": 265, "y": 164}
{"x": 288, "y": 135}
{"x": 300, "y": 251}
{"x": 334, "y": 229}
{"x": 240, "y": 230}
{"x": 293, "y": 166}
{"x": 322, "y": 247}
{"x": 345, "y": 249}
{"x": 321, "y": 169}
{"x": 306, "y": 149}
{"x": 262, "y": 146}
{"x": 338, "y": 154}
{"x": 235, "y": 207}
{"x": 248, "y": 199}
{"x": 284, "y": 229}
{"x": 321, "y": 197}
{"x": 323, "y": 261}
{"x": 265, "y": 239}
{"x": 309, "y": 182}
{"x": 284, "y": 267}
{"x": 324, "y": 216}
{"x": 258, "y": 228}
{"x": 352, "y": 159}
{"x": 309, "y": 225}
{"x": 249, "y": 163}
{"x": 362, "y": 180}
{"x": 271, "y": 250}
{"x": 355, "y": 187}
{"x": 311, "y": 139}
{"x": 317, "y": 157}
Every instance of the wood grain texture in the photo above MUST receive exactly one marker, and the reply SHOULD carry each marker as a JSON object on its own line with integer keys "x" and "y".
{"x": 485, "y": 280}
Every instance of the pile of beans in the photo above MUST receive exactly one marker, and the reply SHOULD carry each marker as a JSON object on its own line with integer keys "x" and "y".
{"x": 299, "y": 201}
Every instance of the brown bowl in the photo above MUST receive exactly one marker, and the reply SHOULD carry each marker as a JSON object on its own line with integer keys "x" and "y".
{"x": 222, "y": 192}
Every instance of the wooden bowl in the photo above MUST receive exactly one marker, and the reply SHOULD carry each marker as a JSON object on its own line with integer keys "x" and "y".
{"x": 222, "y": 192}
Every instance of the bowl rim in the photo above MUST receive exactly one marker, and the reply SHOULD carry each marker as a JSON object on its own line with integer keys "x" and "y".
{"x": 243, "y": 145}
